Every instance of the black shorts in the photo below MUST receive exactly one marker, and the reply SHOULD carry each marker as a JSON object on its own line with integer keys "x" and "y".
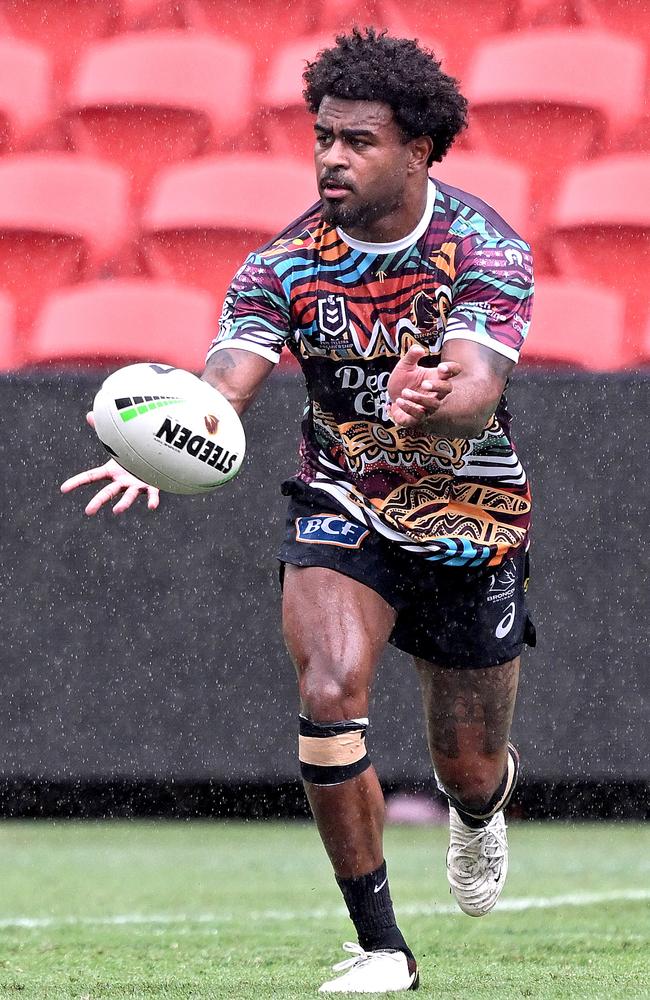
{"x": 449, "y": 616}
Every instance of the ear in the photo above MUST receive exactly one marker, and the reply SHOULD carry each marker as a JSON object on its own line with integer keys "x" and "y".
{"x": 420, "y": 151}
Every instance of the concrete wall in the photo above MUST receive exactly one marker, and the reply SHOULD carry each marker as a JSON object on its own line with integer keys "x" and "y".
{"x": 149, "y": 646}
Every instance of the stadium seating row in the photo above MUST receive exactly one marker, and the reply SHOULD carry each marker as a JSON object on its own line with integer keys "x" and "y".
{"x": 153, "y": 95}
{"x": 65, "y": 218}
{"x": 50, "y": 23}
{"x": 204, "y": 85}
{"x": 144, "y": 100}
{"x": 118, "y": 322}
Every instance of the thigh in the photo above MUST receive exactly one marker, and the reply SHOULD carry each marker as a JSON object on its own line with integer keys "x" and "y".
{"x": 469, "y": 619}
{"x": 335, "y": 629}
{"x": 468, "y": 712}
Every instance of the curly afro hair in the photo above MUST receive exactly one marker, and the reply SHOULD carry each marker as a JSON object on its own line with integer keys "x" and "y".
{"x": 366, "y": 66}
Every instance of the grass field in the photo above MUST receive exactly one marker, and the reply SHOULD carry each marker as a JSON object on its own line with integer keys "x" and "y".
{"x": 249, "y": 910}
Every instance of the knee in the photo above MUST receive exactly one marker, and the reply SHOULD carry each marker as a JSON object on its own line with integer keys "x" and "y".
{"x": 473, "y": 786}
{"x": 329, "y": 692}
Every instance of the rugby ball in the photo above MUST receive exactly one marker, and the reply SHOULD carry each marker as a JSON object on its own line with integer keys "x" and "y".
{"x": 168, "y": 428}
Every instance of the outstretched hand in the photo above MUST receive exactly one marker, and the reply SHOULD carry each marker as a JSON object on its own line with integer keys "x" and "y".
{"x": 121, "y": 482}
{"x": 417, "y": 392}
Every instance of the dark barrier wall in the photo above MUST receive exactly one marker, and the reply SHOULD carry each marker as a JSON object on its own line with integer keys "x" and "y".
{"x": 149, "y": 646}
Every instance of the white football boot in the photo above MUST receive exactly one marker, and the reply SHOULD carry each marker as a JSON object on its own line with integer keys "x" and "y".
{"x": 372, "y": 972}
{"x": 477, "y": 863}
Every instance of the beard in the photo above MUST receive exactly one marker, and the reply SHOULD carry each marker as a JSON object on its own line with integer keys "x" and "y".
{"x": 357, "y": 216}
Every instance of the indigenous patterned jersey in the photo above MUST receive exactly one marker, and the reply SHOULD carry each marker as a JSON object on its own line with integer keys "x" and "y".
{"x": 348, "y": 310}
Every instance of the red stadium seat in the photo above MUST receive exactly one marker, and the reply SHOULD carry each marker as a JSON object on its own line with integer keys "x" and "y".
{"x": 502, "y": 184}
{"x": 204, "y": 217}
{"x": 534, "y": 13}
{"x": 263, "y": 25}
{"x": 9, "y": 354}
{"x": 335, "y": 16}
{"x": 25, "y": 92}
{"x": 55, "y": 26}
{"x": 137, "y": 15}
{"x": 545, "y": 99}
{"x": 636, "y": 139}
{"x": 600, "y": 230}
{"x": 61, "y": 218}
{"x": 125, "y": 321}
{"x": 577, "y": 324}
{"x": 626, "y": 17}
{"x": 452, "y": 29}
{"x": 145, "y": 100}
{"x": 284, "y": 120}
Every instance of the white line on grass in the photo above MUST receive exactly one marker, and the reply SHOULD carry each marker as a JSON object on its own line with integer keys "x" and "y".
{"x": 269, "y": 916}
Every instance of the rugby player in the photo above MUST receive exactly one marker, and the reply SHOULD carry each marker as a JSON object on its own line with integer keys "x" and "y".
{"x": 406, "y": 302}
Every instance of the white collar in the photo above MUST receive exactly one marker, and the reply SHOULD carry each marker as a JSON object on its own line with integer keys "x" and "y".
{"x": 406, "y": 241}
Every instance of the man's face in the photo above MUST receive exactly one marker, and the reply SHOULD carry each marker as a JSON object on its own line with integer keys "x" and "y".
{"x": 361, "y": 161}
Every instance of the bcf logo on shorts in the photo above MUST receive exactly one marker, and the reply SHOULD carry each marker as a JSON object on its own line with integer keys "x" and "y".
{"x": 330, "y": 529}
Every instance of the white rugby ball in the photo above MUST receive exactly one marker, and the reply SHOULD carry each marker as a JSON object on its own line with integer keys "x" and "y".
{"x": 168, "y": 428}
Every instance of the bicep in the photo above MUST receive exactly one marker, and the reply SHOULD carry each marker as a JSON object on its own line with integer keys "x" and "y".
{"x": 238, "y": 374}
{"x": 492, "y": 297}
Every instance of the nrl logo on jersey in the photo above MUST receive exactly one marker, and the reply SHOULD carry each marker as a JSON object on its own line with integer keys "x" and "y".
{"x": 333, "y": 319}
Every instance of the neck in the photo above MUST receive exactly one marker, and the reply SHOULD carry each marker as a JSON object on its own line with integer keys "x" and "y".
{"x": 395, "y": 224}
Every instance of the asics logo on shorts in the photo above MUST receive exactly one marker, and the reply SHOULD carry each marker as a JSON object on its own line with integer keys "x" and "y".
{"x": 506, "y": 622}
{"x": 330, "y": 529}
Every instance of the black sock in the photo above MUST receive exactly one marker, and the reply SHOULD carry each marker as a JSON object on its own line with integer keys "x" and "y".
{"x": 367, "y": 898}
{"x": 471, "y": 821}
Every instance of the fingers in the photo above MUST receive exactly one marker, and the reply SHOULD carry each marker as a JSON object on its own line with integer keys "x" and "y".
{"x": 122, "y": 482}
{"x": 413, "y": 356}
{"x": 129, "y": 496}
{"x": 414, "y": 408}
{"x": 415, "y": 353}
{"x": 104, "y": 496}
{"x": 83, "y": 478}
{"x": 132, "y": 493}
{"x": 428, "y": 394}
{"x": 402, "y": 417}
{"x": 90, "y": 420}
{"x": 448, "y": 369}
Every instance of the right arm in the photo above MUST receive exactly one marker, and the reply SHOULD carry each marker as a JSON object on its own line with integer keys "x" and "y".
{"x": 252, "y": 331}
{"x": 237, "y": 374}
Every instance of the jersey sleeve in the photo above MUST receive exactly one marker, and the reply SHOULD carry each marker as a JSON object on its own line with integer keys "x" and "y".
{"x": 492, "y": 294}
{"x": 255, "y": 314}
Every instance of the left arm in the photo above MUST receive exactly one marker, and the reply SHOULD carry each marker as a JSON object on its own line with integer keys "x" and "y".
{"x": 454, "y": 400}
{"x": 486, "y": 328}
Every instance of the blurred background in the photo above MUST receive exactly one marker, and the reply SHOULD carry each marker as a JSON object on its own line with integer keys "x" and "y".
{"x": 145, "y": 148}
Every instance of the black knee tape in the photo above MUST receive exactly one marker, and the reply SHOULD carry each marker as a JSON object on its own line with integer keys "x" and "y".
{"x": 499, "y": 800}
{"x": 332, "y": 752}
